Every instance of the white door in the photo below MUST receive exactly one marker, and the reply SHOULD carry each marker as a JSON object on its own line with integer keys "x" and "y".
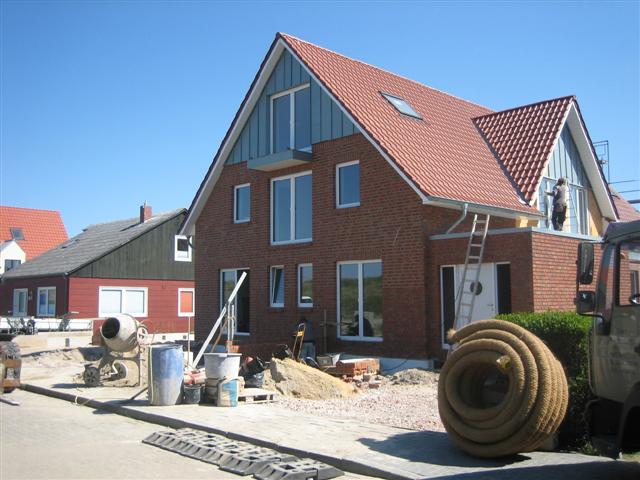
{"x": 485, "y": 306}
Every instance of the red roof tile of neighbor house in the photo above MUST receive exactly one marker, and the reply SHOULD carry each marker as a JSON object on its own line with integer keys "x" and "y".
{"x": 443, "y": 155}
{"x": 42, "y": 229}
{"x": 626, "y": 211}
{"x": 523, "y": 138}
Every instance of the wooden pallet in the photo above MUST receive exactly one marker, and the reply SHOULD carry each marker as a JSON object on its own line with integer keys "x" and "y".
{"x": 257, "y": 395}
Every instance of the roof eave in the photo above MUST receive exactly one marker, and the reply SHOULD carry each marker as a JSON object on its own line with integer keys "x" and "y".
{"x": 481, "y": 208}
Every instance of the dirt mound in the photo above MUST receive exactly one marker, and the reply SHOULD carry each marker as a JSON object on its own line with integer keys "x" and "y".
{"x": 414, "y": 376}
{"x": 63, "y": 357}
{"x": 294, "y": 379}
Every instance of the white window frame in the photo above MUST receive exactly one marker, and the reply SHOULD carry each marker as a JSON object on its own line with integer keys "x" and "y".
{"x": 300, "y": 267}
{"x": 193, "y": 302}
{"x": 235, "y": 203}
{"x": 123, "y": 305}
{"x": 221, "y": 293}
{"x": 292, "y": 116}
{"x": 55, "y": 305}
{"x": 360, "y": 337}
{"x": 338, "y": 167}
{"x": 272, "y": 268}
{"x": 18, "y": 291}
{"x": 177, "y": 254}
{"x": 292, "y": 209}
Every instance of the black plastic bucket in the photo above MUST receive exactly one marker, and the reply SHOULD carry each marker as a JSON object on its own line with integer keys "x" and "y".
{"x": 192, "y": 394}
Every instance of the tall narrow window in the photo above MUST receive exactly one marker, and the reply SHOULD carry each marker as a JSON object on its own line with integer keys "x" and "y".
{"x": 277, "y": 287}
{"x": 348, "y": 184}
{"x": 291, "y": 217}
{"x": 46, "y": 302}
{"x": 360, "y": 299}
{"x": 228, "y": 280}
{"x": 20, "y": 302}
{"x": 291, "y": 119}
{"x": 305, "y": 285}
{"x": 242, "y": 203}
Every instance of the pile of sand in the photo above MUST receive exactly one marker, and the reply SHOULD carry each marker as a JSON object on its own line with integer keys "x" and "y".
{"x": 294, "y": 379}
{"x": 414, "y": 376}
{"x": 63, "y": 357}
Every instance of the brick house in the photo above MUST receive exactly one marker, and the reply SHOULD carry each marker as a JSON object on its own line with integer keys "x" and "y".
{"x": 137, "y": 266}
{"x": 347, "y": 194}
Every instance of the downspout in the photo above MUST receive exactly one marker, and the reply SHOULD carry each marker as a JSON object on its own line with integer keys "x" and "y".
{"x": 463, "y": 215}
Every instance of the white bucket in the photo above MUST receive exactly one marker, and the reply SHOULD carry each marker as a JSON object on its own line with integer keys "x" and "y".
{"x": 221, "y": 365}
{"x": 228, "y": 393}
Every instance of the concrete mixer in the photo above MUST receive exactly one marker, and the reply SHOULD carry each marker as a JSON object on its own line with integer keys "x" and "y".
{"x": 124, "y": 340}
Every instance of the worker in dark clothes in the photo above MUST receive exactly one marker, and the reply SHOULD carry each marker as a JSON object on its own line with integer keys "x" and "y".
{"x": 559, "y": 194}
{"x": 309, "y": 342}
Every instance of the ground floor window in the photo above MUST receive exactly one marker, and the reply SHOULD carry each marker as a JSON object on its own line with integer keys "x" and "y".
{"x": 276, "y": 282}
{"x": 228, "y": 280}
{"x": 305, "y": 285}
{"x": 20, "y": 302}
{"x": 186, "y": 302}
{"x": 129, "y": 300}
{"x": 46, "y": 302}
{"x": 360, "y": 300}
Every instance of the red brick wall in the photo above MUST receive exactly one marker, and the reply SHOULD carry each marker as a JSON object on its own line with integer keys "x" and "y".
{"x": 8, "y": 285}
{"x": 388, "y": 226}
{"x": 162, "y": 303}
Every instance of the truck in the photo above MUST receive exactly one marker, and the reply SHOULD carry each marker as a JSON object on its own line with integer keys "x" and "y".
{"x": 614, "y": 337}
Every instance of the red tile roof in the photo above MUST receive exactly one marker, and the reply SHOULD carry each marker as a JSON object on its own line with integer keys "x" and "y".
{"x": 443, "y": 155}
{"x": 626, "y": 211}
{"x": 523, "y": 138}
{"x": 42, "y": 229}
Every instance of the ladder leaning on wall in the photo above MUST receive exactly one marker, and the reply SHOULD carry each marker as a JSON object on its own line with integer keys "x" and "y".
{"x": 466, "y": 295}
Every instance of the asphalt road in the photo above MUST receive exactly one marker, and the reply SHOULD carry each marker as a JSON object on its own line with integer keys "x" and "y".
{"x": 45, "y": 438}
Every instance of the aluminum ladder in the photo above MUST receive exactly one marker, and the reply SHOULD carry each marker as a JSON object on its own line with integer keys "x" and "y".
{"x": 466, "y": 296}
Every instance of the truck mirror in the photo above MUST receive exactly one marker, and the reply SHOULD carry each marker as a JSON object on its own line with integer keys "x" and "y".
{"x": 585, "y": 263}
{"x": 585, "y": 302}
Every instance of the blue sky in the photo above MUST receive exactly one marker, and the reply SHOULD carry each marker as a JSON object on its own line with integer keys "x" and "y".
{"x": 107, "y": 104}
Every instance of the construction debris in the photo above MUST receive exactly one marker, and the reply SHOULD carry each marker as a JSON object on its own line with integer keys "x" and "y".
{"x": 415, "y": 376}
{"x": 294, "y": 379}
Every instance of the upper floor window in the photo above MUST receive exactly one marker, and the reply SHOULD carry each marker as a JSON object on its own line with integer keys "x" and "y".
{"x": 46, "y": 302}
{"x": 182, "y": 249}
{"x": 11, "y": 263}
{"x": 291, "y": 119}
{"x": 241, "y": 203}
{"x": 577, "y": 213}
{"x": 291, "y": 208}
{"x": 16, "y": 233}
{"x": 348, "y": 184}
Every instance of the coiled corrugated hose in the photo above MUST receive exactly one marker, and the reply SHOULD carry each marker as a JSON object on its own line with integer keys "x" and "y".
{"x": 501, "y": 390}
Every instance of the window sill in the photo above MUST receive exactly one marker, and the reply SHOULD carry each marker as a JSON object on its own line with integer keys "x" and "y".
{"x": 291, "y": 242}
{"x": 348, "y": 205}
{"x": 360, "y": 339}
{"x": 239, "y": 222}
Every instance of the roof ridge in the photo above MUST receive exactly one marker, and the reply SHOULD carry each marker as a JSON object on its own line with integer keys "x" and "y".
{"x": 155, "y": 215}
{"x": 573, "y": 97}
{"x": 284, "y": 35}
{"x": 32, "y": 209}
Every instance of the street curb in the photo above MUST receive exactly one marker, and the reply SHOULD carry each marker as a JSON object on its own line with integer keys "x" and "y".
{"x": 345, "y": 464}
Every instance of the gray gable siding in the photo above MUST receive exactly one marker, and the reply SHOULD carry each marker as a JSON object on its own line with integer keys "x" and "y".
{"x": 327, "y": 120}
{"x": 566, "y": 162}
{"x": 149, "y": 257}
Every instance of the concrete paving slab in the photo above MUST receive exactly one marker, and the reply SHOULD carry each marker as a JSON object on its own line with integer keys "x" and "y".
{"x": 359, "y": 447}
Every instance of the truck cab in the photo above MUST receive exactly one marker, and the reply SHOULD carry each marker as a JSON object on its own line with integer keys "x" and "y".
{"x": 614, "y": 338}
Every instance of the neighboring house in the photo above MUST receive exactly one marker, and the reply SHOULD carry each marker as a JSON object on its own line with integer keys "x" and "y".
{"x": 11, "y": 255}
{"x": 136, "y": 266}
{"x": 36, "y": 231}
{"x": 347, "y": 193}
{"x": 626, "y": 211}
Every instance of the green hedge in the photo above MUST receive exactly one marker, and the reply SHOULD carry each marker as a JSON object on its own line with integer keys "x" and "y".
{"x": 566, "y": 335}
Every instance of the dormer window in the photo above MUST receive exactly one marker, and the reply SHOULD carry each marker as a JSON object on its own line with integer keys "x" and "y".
{"x": 291, "y": 119}
{"x": 401, "y": 105}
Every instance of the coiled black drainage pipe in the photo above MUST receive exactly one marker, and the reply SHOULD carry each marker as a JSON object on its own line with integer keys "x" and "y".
{"x": 501, "y": 390}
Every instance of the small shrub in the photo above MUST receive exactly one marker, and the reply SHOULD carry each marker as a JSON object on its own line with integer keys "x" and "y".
{"x": 566, "y": 335}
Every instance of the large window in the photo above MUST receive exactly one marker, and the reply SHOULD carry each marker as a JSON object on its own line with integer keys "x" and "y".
{"x": 276, "y": 283}
{"x": 46, "y": 302}
{"x": 291, "y": 119}
{"x": 577, "y": 218}
{"x": 348, "y": 184}
{"x": 130, "y": 300}
{"x": 360, "y": 300}
{"x": 291, "y": 217}
{"x": 20, "y": 296}
{"x": 182, "y": 249}
{"x": 305, "y": 285}
{"x": 228, "y": 280}
{"x": 242, "y": 203}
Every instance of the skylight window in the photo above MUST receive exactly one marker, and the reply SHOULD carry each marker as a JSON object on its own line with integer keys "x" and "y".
{"x": 401, "y": 105}
{"x": 16, "y": 233}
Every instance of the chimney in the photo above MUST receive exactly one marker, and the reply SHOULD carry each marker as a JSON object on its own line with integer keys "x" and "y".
{"x": 145, "y": 212}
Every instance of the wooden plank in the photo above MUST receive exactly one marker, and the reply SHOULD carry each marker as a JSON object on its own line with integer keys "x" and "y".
{"x": 286, "y": 56}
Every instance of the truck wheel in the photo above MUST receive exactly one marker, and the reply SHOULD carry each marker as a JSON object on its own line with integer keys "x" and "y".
{"x": 10, "y": 350}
